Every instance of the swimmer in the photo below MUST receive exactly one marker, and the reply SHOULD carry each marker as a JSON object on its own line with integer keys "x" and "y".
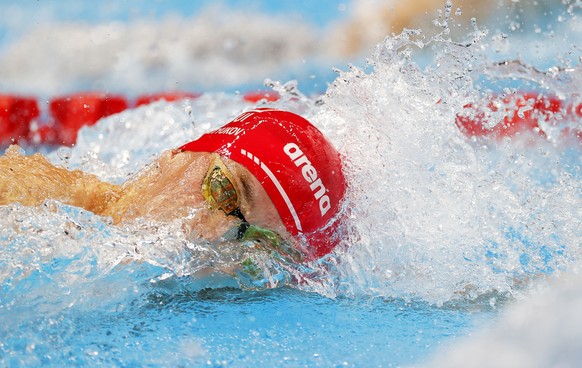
{"x": 267, "y": 176}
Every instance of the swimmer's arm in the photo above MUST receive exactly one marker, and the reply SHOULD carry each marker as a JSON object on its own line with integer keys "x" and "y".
{"x": 30, "y": 180}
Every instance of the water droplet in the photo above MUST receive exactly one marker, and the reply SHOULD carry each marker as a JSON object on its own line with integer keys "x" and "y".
{"x": 492, "y": 302}
{"x": 514, "y": 26}
{"x": 64, "y": 153}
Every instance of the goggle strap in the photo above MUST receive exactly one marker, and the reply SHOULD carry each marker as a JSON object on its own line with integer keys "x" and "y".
{"x": 237, "y": 213}
{"x": 242, "y": 229}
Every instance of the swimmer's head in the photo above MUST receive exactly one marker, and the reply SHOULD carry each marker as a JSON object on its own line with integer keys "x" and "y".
{"x": 296, "y": 165}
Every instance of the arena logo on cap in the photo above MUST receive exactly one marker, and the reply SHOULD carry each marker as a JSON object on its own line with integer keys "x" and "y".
{"x": 310, "y": 175}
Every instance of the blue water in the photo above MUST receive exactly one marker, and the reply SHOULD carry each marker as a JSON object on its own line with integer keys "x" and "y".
{"x": 62, "y": 304}
{"x": 165, "y": 324}
{"x": 450, "y": 232}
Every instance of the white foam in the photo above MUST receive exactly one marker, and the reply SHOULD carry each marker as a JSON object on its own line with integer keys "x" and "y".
{"x": 542, "y": 330}
{"x": 437, "y": 217}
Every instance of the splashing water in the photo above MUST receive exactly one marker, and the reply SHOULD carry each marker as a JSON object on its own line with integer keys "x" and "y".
{"x": 434, "y": 216}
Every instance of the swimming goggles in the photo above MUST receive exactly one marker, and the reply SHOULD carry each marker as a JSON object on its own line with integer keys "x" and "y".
{"x": 220, "y": 191}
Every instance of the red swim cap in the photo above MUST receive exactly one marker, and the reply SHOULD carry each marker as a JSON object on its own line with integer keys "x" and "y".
{"x": 299, "y": 169}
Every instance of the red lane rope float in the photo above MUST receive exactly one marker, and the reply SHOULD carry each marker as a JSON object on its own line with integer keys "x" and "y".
{"x": 500, "y": 117}
{"x": 16, "y": 116}
{"x": 256, "y": 96}
{"x": 71, "y": 113}
{"x": 519, "y": 113}
{"x": 67, "y": 114}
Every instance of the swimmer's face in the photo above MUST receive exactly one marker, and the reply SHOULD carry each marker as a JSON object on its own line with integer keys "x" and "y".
{"x": 171, "y": 188}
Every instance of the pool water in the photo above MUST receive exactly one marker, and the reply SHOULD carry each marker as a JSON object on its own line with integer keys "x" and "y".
{"x": 68, "y": 300}
{"x": 455, "y": 242}
{"x": 165, "y": 324}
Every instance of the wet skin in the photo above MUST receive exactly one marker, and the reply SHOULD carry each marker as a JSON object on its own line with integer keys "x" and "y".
{"x": 168, "y": 189}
